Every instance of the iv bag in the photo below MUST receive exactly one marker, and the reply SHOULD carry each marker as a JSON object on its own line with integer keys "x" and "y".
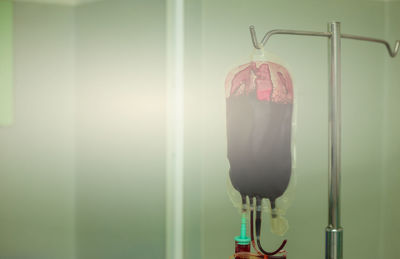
{"x": 260, "y": 126}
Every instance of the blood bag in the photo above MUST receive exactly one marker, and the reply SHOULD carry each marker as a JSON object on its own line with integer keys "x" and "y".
{"x": 260, "y": 123}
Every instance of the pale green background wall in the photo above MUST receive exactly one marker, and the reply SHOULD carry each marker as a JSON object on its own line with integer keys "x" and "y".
{"x": 37, "y": 153}
{"x": 6, "y": 97}
{"x": 82, "y": 170}
{"x": 121, "y": 131}
{"x": 391, "y": 144}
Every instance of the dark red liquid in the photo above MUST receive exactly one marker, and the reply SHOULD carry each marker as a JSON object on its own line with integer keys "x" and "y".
{"x": 241, "y": 248}
{"x": 259, "y": 141}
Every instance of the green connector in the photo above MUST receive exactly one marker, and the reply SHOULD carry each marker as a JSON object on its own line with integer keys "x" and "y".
{"x": 243, "y": 239}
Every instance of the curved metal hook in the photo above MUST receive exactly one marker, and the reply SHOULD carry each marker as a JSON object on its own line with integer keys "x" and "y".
{"x": 268, "y": 35}
{"x": 392, "y": 52}
{"x": 254, "y": 37}
{"x": 395, "y": 50}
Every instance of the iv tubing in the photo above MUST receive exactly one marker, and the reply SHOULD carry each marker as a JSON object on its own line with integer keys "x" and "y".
{"x": 258, "y": 230}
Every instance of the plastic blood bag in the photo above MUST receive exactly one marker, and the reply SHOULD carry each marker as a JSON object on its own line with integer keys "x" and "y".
{"x": 259, "y": 106}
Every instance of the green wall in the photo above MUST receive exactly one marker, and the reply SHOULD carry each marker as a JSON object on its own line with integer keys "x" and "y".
{"x": 6, "y": 64}
{"x": 391, "y": 140}
{"x": 37, "y": 163}
{"x": 120, "y": 129}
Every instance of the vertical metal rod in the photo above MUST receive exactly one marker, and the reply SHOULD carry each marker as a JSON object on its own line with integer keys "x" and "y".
{"x": 334, "y": 232}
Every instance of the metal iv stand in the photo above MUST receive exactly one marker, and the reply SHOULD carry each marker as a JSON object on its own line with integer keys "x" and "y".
{"x": 334, "y": 232}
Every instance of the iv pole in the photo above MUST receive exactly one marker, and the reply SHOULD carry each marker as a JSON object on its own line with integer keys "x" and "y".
{"x": 334, "y": 231}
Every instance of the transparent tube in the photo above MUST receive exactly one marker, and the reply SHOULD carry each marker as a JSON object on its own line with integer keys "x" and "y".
{"x": 249, "y": 255}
